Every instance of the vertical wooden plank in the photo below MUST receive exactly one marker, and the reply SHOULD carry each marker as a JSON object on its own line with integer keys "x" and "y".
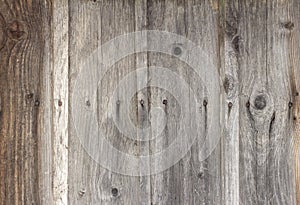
{"x": 230, "y": 65}
{"x": 94, "y": 23}
{"x": 280, "y": 173}
{"x": 191, "y": 180}
{"x": 293, "y": 27}
{"x": 266, "y": 169}
{"x": 45, "y": 150}
{"x": 60, "y": 102}
{"x": 254, "y": 114}
{"x": 21, "y": 57}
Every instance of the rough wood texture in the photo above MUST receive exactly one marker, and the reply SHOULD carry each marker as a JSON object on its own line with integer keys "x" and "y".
{"x": 21, "y": 65}
{"x": 255, "y": 46}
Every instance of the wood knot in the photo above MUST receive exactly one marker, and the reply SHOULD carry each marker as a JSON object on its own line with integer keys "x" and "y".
{"x": 17, "y": 30}
{"x": 114, "y": 192}
{"x": 228, "y": 84}
{"x": 177, "y": 51}
{"x": 200, "y": 175}
{"x": 260, "y": 102}
{"x": 288, "y": 25}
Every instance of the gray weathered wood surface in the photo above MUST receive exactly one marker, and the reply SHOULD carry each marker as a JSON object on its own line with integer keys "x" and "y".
{"x": 255, "y": 45}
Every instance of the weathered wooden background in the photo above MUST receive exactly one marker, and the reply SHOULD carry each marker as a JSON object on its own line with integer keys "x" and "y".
{"x": 256, "y": 45}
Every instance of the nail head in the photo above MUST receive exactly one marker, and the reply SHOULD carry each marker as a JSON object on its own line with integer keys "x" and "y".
{"x": 59, "y": 103}
{"x": 36, "y": 103}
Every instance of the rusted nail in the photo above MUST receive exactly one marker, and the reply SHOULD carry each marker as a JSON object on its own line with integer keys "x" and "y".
{"x": 114, "y": 192}
{"x": 60, "y": 103}
{"x": 165, "y": 102}
{"x": 36, "y": 103}
{"x": 142, "y": 102}
{"x": 177, "y": 51}
{"x": 260, "y": 102}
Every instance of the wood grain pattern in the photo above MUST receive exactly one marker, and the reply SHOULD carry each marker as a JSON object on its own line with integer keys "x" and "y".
{"x": 21, "y": 63}
{"x": 229, "y": 50}
{"x": 292, "y": 25}
{"x": 255, "y": 45}
{"x": 190, "y": 181}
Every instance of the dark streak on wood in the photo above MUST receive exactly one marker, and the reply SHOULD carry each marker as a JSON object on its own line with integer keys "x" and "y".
{"x": 21, "y": 60}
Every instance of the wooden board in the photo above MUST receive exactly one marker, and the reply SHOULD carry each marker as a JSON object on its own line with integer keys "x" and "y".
{"x": 253, "y": 47}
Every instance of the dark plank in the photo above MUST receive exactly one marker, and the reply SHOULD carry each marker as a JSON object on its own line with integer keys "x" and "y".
{"x": 21, "y": 64}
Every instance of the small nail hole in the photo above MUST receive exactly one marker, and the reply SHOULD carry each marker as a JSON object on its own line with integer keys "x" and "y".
{"x": 142, "y": 102}
{"x": 59, "y": 103}
{"x": 290, "y": 104}
{"x": 205, "y": 102}
{"x": 230, "y": 104}
{"x": 165, "y": 102}
{"x": 36, "y": 103}
{"x": 88, "y": 103}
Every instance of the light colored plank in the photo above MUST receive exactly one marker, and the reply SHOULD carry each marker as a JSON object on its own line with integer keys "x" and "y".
{"x": 231, "y": 106}
{"x": 92, "y": 25}
{"x": 266, "y": 169}
{"x": 291, "y": 23}
{"x": 193, "y": 180}
{"x": 60, "y": 101}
